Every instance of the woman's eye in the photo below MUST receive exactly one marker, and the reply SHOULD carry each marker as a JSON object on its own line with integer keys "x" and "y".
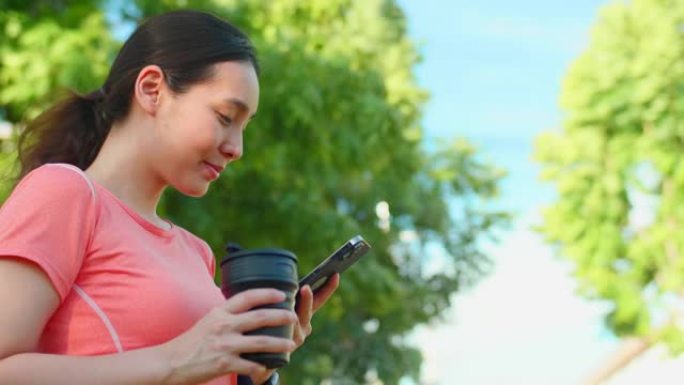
{"x": 226, "y": 121}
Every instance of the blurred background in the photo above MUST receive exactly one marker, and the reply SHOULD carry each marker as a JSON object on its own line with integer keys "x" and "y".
{"x": 516, "y": 166}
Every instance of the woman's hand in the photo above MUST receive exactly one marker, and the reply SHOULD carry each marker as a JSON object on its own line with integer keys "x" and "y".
{"x": 212, "y": 347}
{"x": 308, "y": 305}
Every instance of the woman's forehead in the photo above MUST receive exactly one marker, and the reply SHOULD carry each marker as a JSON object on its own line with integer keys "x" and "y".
{"x": 236, "y": 83}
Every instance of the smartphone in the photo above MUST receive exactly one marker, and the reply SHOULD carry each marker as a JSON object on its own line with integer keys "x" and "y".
{"x": 345, "y": 256}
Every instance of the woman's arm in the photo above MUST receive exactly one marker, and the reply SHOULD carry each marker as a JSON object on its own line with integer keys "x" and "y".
{"x": 143, "y": 366}
{"x": 28, "y": 300}
{"x": 210, "y": 348}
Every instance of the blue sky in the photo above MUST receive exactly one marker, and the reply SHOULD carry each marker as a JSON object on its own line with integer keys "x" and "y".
{"x": 494, "y": 71}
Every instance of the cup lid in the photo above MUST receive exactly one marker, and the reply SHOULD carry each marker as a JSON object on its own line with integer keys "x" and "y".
{"x": 234, "y": 252}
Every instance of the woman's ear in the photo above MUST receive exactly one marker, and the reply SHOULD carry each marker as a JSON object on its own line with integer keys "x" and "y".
{"x": 148, "y": 88}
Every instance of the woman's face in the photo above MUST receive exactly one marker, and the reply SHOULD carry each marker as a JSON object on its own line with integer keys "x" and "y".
{"x": 201, "y": 129}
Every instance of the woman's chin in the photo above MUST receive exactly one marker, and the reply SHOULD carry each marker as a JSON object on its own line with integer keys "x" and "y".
{"x": 196, "y": 190}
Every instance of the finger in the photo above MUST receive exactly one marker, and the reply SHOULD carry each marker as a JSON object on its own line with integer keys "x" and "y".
{"x": 302, "y": 331}
{"x": 246, "y": 367}
{"x": 297, "y": 335}
{"x": 304, "y": 310}
{"x": 252, "y": 298}
{"x": 325, "y": 292}
{"x": 255, "y": 319}
{"x": 265, "y": 344}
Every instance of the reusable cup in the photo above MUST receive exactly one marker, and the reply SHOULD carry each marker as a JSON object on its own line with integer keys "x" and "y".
{"x": 245, "y": 269}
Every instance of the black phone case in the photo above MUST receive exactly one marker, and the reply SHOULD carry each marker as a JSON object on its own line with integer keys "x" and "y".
{"x": 338, "y": 262}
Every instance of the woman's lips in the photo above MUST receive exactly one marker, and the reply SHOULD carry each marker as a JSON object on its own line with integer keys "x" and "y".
{"x": 213, "y": 170}
{"x": 215, "y": 167}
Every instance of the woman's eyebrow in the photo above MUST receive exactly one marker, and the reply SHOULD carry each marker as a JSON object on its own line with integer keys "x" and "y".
{"x": 242, "y": 106}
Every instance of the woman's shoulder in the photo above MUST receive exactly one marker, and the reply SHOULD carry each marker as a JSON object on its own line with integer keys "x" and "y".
{"x": 58, "y": 179}
{"x": 55, "y": 185}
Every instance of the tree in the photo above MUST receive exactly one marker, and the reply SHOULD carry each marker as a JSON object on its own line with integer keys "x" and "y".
{"x": 337, "y": 137}
{"x": 619, "y": 169}
{"x": 47, "y": 47}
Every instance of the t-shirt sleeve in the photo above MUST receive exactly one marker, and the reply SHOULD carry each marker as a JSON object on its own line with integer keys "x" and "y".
{"x": 49, "y": 219}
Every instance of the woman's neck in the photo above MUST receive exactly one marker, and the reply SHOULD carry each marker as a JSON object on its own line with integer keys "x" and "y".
{"x": 122, "y": 169}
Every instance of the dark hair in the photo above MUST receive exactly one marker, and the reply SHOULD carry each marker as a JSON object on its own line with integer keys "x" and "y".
{"x": 184, "y": 44}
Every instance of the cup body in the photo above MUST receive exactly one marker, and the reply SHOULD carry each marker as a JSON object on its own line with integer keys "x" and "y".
{"x": 245, "y": 269}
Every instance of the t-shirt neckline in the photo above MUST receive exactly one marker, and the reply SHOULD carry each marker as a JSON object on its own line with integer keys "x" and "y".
{"x": 144, "y": 222}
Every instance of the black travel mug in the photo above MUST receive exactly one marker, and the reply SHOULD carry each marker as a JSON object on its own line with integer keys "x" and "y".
{"x": 245, "y": 269}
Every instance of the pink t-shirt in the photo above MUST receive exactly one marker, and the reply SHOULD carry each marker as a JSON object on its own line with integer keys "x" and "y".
{"x": 123, "y": 282}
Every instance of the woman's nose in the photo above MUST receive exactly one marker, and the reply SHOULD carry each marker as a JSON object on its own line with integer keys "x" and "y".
{"x": 231, "y": 149}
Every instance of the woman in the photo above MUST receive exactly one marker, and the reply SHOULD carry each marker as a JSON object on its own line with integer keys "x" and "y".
{"x": 96, "y": 288}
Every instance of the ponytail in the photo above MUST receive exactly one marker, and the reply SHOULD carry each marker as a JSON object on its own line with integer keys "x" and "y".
{"x": 72, "y": 131}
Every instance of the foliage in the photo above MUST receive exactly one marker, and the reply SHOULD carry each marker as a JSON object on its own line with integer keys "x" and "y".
{"x": 47, "y": 48}
{"x": 619, "y": 170}
{"x": 337, "y": 132}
